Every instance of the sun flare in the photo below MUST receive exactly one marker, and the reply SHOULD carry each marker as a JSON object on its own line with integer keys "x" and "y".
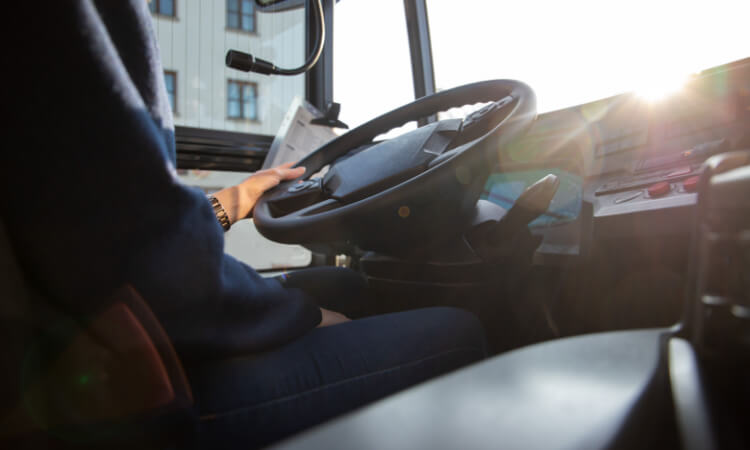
{"x": 659, "y": 86}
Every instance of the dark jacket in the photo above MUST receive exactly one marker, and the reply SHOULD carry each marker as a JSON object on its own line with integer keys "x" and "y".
{"x": 89, "y": 193}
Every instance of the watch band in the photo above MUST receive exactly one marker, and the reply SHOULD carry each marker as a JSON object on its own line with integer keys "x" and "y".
{"x": 221, "y": 215}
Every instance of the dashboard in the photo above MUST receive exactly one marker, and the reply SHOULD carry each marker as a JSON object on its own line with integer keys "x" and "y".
{"x": 639, "y": 161}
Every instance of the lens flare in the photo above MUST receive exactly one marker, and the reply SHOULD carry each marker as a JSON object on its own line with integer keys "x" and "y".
{"x": 660, "y": 85}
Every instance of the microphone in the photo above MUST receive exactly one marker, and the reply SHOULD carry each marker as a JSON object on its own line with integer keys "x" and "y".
{"x": 248, "y": 63}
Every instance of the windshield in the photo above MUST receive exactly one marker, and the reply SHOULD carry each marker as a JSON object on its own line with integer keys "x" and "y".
{"x": 576, "y": 51}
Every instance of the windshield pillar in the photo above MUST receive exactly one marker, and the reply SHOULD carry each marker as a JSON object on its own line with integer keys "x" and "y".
{"x": 418, "y": 30}
{"x": 319, "y": 79}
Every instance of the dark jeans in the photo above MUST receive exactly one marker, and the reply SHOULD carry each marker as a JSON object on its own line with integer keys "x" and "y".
{"x": 258, "y": 399}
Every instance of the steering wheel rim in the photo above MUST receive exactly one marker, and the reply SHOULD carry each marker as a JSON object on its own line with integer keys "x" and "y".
{"x": 403, "y": 206}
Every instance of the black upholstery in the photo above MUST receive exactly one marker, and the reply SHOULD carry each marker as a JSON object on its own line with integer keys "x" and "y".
{"x": 107, "y": 377}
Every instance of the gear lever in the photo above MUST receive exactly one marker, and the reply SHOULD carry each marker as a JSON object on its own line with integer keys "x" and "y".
{"x": 500, "y": 240}
{"x": 533, "y": 202}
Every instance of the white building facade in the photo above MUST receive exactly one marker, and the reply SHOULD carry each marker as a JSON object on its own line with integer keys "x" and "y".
{"x": 194, "y": 37}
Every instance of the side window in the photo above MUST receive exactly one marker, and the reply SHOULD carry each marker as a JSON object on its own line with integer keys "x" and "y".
{"x": 242, "y": 100}
{"x": 163, "y": 7}
{"x": 241, "y": 15}
{"x": 207, "y": 95}
{"x": 170, "y": 81}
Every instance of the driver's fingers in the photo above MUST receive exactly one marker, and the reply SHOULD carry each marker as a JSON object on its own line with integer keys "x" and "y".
{"x": 287, "y": 173}
{"x": 284, "y": 166}
{"x": 265, "y": 180}
{"x": 282, "y": 172}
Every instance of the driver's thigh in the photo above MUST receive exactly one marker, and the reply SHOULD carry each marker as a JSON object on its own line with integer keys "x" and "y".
{"x": 261, "y": 398}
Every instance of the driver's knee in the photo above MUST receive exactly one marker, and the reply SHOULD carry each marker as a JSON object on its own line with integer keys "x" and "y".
{"x": 441, "y": 340}
{"x": 454, "y": 328}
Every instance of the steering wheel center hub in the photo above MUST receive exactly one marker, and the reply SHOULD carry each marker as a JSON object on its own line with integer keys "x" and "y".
{"x": 388, "y": 163}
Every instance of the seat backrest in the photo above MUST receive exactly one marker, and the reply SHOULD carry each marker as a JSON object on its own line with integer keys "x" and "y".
{"x": 102, "y": 377}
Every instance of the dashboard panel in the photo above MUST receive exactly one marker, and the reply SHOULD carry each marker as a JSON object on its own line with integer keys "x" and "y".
{"x": 640, "y": 159}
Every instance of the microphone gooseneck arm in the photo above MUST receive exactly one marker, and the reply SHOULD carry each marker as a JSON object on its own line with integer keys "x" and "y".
{"x": 249, "y": 63}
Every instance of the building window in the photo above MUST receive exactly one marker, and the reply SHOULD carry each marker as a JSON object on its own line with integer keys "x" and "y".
{"x": 170, "y": 81}
{"x": 163, "y": 7}
{"x": 242, "y": 100}
{"x": 241, "y": 15}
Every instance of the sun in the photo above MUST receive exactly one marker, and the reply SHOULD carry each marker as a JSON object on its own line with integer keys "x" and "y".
{"x": 660, "y": 85}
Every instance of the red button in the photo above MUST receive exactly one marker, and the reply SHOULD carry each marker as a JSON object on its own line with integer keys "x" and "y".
{"x": 691, "y": 184}
{"x": 659, "y": 189}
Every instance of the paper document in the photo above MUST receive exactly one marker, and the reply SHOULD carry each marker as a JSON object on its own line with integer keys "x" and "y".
{"x": 296, "y": 137}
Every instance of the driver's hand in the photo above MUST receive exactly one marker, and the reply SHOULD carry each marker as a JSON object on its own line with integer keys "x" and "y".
{"x": 331, "y": 318}
{"x": 238, "y": 201}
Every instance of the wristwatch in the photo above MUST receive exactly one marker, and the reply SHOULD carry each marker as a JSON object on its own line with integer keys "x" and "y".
{"x": 221, "y": 215}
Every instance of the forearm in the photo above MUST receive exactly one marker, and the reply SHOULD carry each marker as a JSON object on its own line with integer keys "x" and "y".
{"x": 236, "y": 203}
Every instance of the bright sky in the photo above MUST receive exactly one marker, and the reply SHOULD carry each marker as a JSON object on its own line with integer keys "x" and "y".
{"x": 569, "y": 52}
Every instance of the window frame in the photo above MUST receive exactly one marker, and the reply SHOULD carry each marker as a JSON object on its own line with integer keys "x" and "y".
{"x": 240, "y": 14}
{"x": 157, "y": 9}
{"x": 420, "y": 49}
{"x": 208, "y": 149}
{"x": 173, "y": 74}
{"x": 241, "y": 84}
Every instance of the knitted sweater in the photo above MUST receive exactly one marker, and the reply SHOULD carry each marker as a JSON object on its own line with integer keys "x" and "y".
{"x": 89, "y": 193}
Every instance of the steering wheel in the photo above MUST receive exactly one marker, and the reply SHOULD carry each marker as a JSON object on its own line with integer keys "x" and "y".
{"x": 405, "y": 191}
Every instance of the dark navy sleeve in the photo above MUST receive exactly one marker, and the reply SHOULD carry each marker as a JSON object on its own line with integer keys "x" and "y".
{"x": 89, "y": 192}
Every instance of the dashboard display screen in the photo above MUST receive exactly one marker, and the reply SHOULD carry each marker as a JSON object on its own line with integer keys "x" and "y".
{"x": 503, "y": 189}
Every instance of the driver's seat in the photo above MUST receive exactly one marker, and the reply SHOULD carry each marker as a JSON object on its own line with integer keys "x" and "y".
{"x": 104, "y": 378}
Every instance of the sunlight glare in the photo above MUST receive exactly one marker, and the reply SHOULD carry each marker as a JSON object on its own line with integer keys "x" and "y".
{"x": 660, "y": 86}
